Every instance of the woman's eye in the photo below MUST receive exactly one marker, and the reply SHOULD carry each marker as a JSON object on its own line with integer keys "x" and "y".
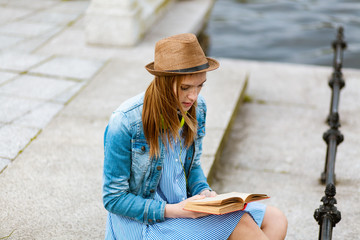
{"x": 184, "y": 88}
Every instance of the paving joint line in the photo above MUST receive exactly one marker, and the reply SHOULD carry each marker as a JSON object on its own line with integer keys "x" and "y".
{"x": 23, "y": 149}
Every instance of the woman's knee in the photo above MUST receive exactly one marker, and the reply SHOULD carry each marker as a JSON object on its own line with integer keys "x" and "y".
{"x": 275, "y": 219}
{"x": 247, "y": 229}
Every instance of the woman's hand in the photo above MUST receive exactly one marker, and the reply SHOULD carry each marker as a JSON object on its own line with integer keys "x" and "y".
{"x": 208, "y": 193}
{"x": 177, "y": 210}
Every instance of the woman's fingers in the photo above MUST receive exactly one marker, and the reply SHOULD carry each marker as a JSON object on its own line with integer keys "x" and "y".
{"x": 196, "y": 197}
{"x": 208, "y": 193}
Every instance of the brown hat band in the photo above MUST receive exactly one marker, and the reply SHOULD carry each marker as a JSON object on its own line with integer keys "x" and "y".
{"x": 192, "y": 69}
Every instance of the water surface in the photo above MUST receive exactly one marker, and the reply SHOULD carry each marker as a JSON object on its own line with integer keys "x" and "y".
{"x": 297, "y": 31}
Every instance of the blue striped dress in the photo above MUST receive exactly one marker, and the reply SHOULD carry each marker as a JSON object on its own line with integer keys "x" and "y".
{"x": 172, "y": 189}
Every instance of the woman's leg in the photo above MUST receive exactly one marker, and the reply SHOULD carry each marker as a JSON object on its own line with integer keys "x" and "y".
{"x": 274, "y": 224}
{"x": 247, "y": 229}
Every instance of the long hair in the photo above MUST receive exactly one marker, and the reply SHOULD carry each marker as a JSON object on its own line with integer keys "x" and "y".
{"x": 160, "y": 114}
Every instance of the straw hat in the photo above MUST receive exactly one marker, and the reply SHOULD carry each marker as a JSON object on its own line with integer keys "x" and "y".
{"x": 178, "y": 55}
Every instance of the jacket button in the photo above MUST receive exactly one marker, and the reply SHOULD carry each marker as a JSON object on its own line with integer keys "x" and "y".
{"x": 143, "y": 148}
{"x": 157, "y": 220}
{"x": 152, "y": 190}
{"x": 150, "y": 221}
{"x": 159, "y": 168}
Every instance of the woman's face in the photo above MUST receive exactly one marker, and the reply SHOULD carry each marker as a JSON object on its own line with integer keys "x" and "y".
{"x": 189, "y": 89}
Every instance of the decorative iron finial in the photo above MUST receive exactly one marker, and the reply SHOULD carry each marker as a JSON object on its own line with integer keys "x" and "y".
{"x": 328, "y": 209}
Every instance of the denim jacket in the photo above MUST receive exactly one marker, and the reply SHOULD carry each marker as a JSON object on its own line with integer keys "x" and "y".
{"x": 131, "y": 177}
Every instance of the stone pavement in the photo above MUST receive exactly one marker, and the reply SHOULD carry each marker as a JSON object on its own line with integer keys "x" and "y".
{"x": 35, "y": 87}
{"x": 57, "y": 93}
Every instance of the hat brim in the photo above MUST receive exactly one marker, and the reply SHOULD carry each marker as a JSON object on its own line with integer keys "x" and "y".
{"x": 213, "y": 64}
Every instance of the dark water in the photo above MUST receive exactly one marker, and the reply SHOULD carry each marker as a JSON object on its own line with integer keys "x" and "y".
{"x": 298, "y": 31}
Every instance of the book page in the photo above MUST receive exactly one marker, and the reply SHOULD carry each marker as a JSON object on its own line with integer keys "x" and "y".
{"x": 221, "y": 198}
{"x": 228, "y": 198}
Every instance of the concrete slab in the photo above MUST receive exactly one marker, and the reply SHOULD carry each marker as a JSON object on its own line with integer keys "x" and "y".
{"x": 228, "y": 78}
{"x": 24, "y": 4}
{"x": 15, "y": 139}
{"x": 53, "y": 17}
{"x": 8, "y": 14}
{"x": 40, "y": 116}
{"x": 55, "y": 205}
{"x": 206, "y": 164}
{"x": 347, "y": 157}
{"x": 80, "y": 69}
{"x": 6, "y": 76}
{"x": 308, "y": 88}
{"x": 19, "y": 62}
{"x": 349, "y": 94}
{"x": 25, "y": 29}
{"x": 80, "y": 23}
{"x": 7, "y": 41}
{"x": 12, "y": 108}
{"x": 116, "y": 82}
{"x": 71, "y": 6}
{"x": 211, "y": 143}
{"x": 70, "y": 93}
{"x": 4, "y": 163}
{"x": 273, "y": 124}
{"x": 29, "y": 45}
{"x": 34, "y": 87}
{"x": 72, "y": 42}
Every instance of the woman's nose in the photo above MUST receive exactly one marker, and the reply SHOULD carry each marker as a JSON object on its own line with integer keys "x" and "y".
{"x": 193, "y": 94}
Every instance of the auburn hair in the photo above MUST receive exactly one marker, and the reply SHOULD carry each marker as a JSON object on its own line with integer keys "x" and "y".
{"x": 160, "y": 114}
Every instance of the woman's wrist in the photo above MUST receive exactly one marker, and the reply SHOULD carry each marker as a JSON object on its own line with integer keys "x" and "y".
{"x": 170, "y": 210}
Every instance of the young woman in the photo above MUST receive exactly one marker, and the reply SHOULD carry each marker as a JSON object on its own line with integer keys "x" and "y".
{"x": 152, "y": 146}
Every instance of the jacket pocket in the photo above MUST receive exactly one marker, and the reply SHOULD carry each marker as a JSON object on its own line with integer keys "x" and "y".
{"x": 140, "y": 162}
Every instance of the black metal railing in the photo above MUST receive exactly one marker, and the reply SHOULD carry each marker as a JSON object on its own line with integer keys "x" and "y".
{"x": 333, "y": 136}
{"x": 327, "y": 214}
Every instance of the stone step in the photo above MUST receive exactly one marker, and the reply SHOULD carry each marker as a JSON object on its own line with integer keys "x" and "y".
{"x": 224, "y": 92}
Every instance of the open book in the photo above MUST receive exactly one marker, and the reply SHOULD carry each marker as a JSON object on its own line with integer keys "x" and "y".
{"x": 223, "y": 203}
